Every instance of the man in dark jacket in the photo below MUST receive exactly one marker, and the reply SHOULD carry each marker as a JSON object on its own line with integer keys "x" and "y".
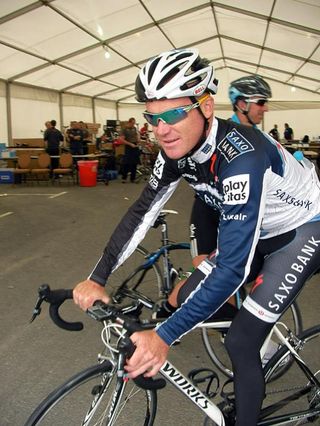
{"x": 52, "y": 139}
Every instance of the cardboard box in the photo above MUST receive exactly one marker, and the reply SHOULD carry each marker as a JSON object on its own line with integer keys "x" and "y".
{"x": 107, "y": 146}
{"x": 8, "y": 154}
{"x": 111, "y": 174}
{"x": 119, "y": 150}
{"x": 6, "y": 175}
{"x": 29, "y": 142}
{"x": 93, "y": 127}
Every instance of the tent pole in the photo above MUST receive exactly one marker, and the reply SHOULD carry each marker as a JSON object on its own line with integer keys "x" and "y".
{"x": 117, "y": 110}
{"x": 9, "y": 118}
{"x": 93, "y": 110}
{"x": 61, "y": 109}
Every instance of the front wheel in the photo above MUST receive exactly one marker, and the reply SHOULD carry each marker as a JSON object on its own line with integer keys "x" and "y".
{"x": 96, "y": 397}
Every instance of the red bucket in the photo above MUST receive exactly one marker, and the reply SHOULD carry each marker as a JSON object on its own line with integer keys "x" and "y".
{"x": 88, "y": 171}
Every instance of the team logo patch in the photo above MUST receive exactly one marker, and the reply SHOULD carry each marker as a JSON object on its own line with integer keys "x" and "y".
{"x": 233, "y": 145}
{"x": 206, "y": 148}
{"x": 236, "y": 189}
{"x": 191, "y": 164}
{"x": 182, "y": 163}
{"x": 158, "y": 166}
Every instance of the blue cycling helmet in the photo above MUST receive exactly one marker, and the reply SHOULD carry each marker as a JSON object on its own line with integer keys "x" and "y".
{"x": 248, "y": 87}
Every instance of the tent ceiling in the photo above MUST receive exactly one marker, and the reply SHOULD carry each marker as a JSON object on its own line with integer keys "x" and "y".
{"x": 59, "y": 44}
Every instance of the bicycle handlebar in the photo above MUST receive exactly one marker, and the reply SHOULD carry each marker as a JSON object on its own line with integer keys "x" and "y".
{"x": 100, "y": 311}
{"x": 55, "y": 315}
{"x": 55, "y": 298}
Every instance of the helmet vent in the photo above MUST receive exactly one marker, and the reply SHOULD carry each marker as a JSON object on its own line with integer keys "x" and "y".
{"x": 152, "y": 69}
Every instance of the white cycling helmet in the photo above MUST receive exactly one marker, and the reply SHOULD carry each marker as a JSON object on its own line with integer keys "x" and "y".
{"x": 175, "y": 74}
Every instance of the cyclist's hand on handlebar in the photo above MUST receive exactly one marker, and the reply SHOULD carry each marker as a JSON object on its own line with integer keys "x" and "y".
{"x": 149, "y": 356}
{"x": 87, "y": 292}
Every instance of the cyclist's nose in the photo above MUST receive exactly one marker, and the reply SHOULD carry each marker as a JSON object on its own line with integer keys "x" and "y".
{"x": 162, "y": 129}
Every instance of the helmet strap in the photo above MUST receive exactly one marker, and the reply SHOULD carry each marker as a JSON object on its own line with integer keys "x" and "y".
{"x": 245, "y": 112}
{"x": 206, "y": 125}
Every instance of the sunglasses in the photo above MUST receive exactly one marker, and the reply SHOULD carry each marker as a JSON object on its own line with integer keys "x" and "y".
{"x": 260, "y": 102}
{"x": 172, "y": 116}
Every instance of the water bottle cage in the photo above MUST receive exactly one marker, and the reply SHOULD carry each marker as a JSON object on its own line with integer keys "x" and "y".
{"x": 208, "y": 377}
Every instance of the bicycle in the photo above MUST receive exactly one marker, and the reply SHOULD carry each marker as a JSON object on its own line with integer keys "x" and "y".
{"x": 144, "y": 169}
{"x": 139, "y": 273}
{"x": 113, "y": 399}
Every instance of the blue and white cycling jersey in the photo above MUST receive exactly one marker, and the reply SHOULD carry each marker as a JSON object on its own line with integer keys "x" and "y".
{"x": 261, "y": 191}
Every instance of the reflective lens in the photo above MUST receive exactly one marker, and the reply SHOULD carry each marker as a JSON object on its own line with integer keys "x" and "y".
{"x": 171, "y": 116}
{"x": 260, "y": 102}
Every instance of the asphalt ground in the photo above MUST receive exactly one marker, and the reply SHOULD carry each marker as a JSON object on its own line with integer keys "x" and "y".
{"x": 55, "y": 235}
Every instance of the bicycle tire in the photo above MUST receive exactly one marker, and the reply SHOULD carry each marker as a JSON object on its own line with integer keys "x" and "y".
{"x": 308, "y": 348}
{"x": 147, "y": 282}
{"x": 214, "y": 342}
{"x": 85, "y": 399}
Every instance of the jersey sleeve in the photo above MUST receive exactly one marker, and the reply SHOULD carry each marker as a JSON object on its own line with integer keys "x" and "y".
{"x": 138, "y": 219}
{"x": 243, "y": 183}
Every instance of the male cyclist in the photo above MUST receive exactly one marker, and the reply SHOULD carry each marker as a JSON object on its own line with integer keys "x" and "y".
{"x": 249, "y": 98}
{"x": 269, "y": 207}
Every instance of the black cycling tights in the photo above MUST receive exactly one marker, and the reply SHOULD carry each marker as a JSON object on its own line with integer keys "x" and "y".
{"x": 243, "y": 344}
{"x": 280, "y": 280}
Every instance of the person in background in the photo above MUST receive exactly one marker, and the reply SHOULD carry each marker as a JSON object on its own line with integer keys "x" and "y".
{"x": 85, "y": 137}
{"x": 131, "y": 139}
{"x": 47, "y": 125}
{"x": 288, "y": 132}
{"x": 75, "y": 138}
{"x": 249, "y": 98}
{"x": 53, "y": 138}
{"x": 274, "y": 132}
{"x": 243, "y": 173}
{"x": 144, "y": 132}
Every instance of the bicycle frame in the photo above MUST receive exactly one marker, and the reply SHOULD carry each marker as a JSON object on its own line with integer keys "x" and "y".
{"x": 164, "y": 251}
{"x": 183, "y": 384}
{"x": 150, "y": 260}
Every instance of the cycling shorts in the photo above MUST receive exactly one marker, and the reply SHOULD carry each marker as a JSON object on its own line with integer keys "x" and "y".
{"x": 281, "y": 266}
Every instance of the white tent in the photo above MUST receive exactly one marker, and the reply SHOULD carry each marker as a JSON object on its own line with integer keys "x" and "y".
{"x": 53, "y": 61}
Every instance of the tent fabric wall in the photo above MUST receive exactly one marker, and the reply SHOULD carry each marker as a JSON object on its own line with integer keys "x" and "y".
{"x": 104, "y": 110}
{"x": 76, "y": 108}
{"x": 30, "y": 108}
{"x": 303, "y": 122}
{"x": 128, "y": 110}
{"x": 29, "y": 116}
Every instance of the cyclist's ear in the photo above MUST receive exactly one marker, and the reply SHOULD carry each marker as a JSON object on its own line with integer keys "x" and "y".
{"x": 207, "y": 107}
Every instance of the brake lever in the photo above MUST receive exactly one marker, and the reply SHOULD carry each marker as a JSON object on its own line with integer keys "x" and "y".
{"x": 43, "y": 291}
{"x": 37, "y": 309}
